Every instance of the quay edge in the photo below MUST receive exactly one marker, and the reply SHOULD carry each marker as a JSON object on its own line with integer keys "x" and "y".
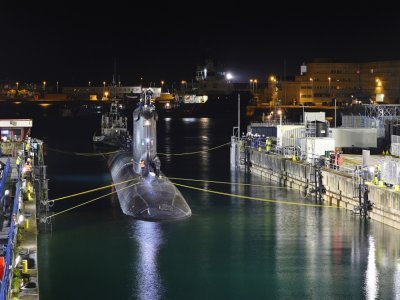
{"x": 339, "y": 186}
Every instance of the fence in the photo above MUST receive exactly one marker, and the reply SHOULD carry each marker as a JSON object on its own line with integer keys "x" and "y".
{"x": 395, "y": 145}
{"x": 4, "y": 177}
{"x": 291, "y": 152}
{"x": 9, "y": 255}
{"x": 391, "y": 171}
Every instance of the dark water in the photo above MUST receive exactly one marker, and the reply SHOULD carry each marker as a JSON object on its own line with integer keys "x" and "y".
{"x": 230, "y": 248}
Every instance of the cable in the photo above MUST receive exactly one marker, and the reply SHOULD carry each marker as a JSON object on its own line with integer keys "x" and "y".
{"x": 82, "y": 153}
{"x": 195, "y": 152}
{"x": 231, "y": 183}
{"x": 93, "y": 190}
{"x": 87, "y": 202}
{"x": 256, "y": 198}
{"x": 113, "y": 152}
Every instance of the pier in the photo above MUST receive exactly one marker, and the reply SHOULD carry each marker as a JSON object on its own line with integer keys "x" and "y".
{"x": 341, "y": 185}
{"x": 22, "y": 187}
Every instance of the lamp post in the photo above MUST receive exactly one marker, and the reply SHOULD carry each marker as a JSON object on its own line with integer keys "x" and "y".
{"x": 162, "y": 85}
{"x": 251, "y": 85}
{"x": 329, "y": 90}
{"x": 57, "y": 87}
{"x": 90, "y": 83}
{"x": 280, "y": 117}
{"x": 302, "y": 104}
{"x": 255, "y": 83}
{"x": 335, "y": 112}
{"x": 312, "y": 88}
{"x": 44, "y": 86}
{"x": 17, "y": 83}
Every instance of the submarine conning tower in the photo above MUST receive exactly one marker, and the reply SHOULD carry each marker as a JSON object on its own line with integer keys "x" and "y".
{"x": 144, "y": 134}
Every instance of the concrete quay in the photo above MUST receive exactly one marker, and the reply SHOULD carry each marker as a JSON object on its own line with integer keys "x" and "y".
{"x": 339, "y": 185}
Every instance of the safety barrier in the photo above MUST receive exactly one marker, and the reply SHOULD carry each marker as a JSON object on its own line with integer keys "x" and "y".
{"x": 8, "y": 257}
{"x": 4, "y": 177}
{"x": 395, "y": 145}
{"x": 293, "y": 153}
{"x": 391, "y": 171}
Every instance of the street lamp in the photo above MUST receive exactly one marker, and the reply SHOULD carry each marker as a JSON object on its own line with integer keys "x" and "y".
{"x": 312, "y": 88}
{"x": 162, "y": 85}
{"x": 329, "y": 90}
{"x": 17, "y": 83}
{"x": 335, "y": 112}
{"x": 44, "y": 85}
{"x": 184, "y": 82}
{"x": 57, "y": 86}
{"x": 251, "y": 85}
{"x": 280, "y": 117}
{"x": 90, "y": 83}
{"x": 255, "y": 83}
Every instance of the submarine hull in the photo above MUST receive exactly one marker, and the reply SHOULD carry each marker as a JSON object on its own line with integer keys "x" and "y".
{"x": 147, "y": 198}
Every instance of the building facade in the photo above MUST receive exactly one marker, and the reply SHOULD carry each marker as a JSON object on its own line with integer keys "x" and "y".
{"x": 323, "y": 82}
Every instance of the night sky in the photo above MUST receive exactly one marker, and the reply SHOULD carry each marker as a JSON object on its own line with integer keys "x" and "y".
{"x": 74, "y": 42}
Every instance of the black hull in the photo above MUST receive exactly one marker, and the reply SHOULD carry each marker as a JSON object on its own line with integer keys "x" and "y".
{"x": 149, "y": 198}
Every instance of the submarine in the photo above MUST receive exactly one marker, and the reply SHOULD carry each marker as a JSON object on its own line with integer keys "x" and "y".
{"x": 145, "y": 193}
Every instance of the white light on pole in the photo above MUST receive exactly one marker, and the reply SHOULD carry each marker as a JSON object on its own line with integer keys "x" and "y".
{"x": 238, "y": 134}
{"x": 280, "y": 117}
{"x": 335, "y": 112}
{"x": 329, "y": 90}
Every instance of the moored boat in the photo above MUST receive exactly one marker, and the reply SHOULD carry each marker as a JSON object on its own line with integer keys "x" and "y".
{"x": 114, "y": 128}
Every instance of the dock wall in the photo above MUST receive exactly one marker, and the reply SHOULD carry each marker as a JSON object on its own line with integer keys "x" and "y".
{"x": 339, "y": 186}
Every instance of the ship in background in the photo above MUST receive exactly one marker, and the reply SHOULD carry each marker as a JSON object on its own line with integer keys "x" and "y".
{"x": 114, "y": 128}
{"x": 211, "y": 94}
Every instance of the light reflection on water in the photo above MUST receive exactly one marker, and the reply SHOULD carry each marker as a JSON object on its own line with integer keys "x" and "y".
{"x": 149, "y": 237}
{"x": 371, "y": 274}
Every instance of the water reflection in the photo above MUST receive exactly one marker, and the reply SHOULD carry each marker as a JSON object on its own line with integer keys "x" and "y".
{"x": 371, "y": 274}
{"x": 396, "y": 284}
{"x": 149, "y": 237}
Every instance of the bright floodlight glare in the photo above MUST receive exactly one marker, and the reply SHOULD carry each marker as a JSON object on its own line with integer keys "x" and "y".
{"x": 229, "y": 76}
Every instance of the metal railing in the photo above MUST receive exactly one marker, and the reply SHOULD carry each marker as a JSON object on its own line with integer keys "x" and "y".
{"x": 4, "y": 177}
{"x": 9, "y": 254}
{"x": 259, "y": 144}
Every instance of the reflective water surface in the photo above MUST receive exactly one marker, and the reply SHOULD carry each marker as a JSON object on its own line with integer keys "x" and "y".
{"x": 231, "y": 248}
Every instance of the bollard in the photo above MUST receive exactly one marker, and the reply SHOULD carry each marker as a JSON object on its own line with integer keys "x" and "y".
{"x": 26, "y": 223}
{"x": 24, "y": 266}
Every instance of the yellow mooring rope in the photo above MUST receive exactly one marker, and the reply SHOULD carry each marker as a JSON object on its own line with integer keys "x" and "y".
{"x": 190, "y": 187}
{"x": 255, "y": 198}
{"x": 88, "y": 154}
{"x": 87, "y": 202}
{"x": 92, "y": 190}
